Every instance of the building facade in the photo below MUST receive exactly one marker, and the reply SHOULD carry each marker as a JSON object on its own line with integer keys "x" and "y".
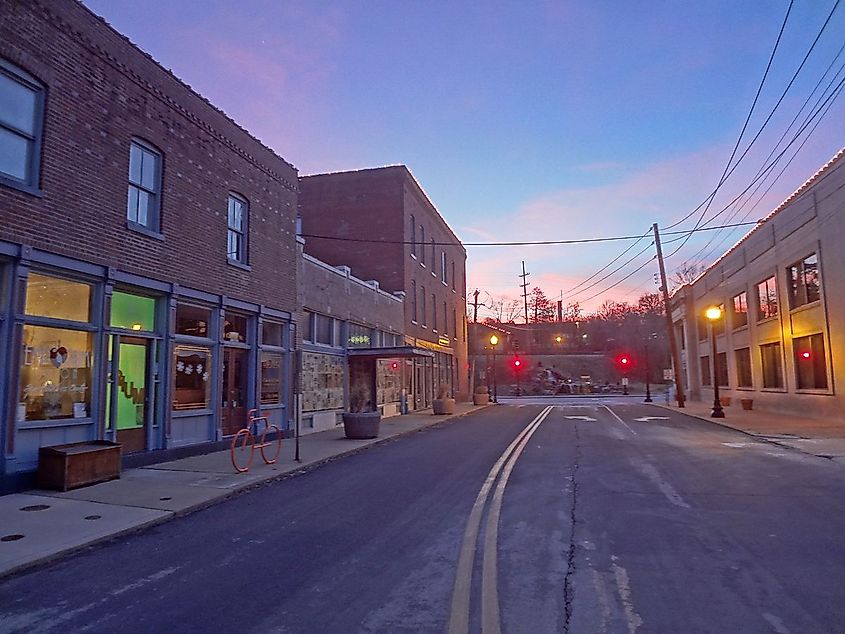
{"x": 147, "y": 249}
{"x": 781, "y": 288}
{"x": 352, "y": 341}
{"x": 381, "y": 224}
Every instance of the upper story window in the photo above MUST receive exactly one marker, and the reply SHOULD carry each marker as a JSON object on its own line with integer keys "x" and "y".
{"x": 422, "y": 305}
{"x": 434, "y": 312}
{"x": 740, "y": 310}
{"x": 767, "y": 299}
{"x": 413, "y": 300}
{"x": 443, "y": 266}
{"x": 803, "y": 279}
{"x": 142, "y": 207}
{"x": 21, "y": 126}
{"x": 433, "y": 256}
{"x": 413, "y": 235}
{"x": 453, "y": 275}
{"x": 422, "y": 243}
{"x": 236, "y": 237}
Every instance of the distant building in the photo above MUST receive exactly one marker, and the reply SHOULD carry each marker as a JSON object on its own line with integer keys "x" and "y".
{"x": 380, "y": 224}
{"x": 148, "y": 279}
{"x": 781, "y": 342}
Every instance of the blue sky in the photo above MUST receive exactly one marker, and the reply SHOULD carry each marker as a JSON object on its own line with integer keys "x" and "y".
{"x": 522, "y": 120}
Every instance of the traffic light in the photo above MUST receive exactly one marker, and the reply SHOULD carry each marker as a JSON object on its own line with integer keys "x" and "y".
{"x": 624, "y": 362}
{"x": 517, "y": 364}
{"x": 806, "y": 355}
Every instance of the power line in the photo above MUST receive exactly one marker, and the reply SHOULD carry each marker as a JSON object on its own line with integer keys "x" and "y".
{"x": 605, "y": 267}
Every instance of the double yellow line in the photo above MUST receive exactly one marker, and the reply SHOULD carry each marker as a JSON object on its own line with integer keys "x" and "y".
{"x": 461, "y": 593}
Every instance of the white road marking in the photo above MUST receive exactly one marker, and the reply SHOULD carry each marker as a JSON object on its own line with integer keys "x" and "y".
{"x": 459, "y": 616}
{"x": 586, "y": 418}
{"x": 623, "y": 584}
{"x": 776, "y": 623}
{"x": 648, "y": 470}
{"x": 645, "y": 419}
{"x": 628, "y": 427}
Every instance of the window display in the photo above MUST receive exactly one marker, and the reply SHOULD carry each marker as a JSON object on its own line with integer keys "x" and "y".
{"x": 56, "y": 371}
{"x": 192, "y": 377}
{"x": 271, "y": 378}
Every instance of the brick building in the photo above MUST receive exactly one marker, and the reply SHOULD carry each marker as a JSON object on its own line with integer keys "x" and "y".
{"x": 381, "y": 224}
{"x": 781, "y": 288}
{"x": 147, "y": 248}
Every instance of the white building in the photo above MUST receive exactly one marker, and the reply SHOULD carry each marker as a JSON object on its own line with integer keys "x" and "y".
{"x": 781, "y": 341}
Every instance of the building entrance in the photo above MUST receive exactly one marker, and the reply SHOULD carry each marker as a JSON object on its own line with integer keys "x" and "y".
{"x": 128, "y": 400}
{"x": 234, "y": 390}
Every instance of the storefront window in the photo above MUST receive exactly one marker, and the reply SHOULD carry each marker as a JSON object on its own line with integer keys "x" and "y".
{"x": 192, "y": 320}
{"x": 272, "y": 334}
{"x": 324, "y": 330}
{"x": 48, "y": 296}
{"x": 359, "y": 336}
{"x": 235, "y": 327}
{"x": 55, "y": 374}
{"x": 133, "y": 312}
{"x": 192, "y": 374}
{"x": 271, "y": 378}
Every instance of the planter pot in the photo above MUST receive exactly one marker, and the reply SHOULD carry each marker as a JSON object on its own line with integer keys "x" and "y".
{"x": 725, "y": 401}
{"x": 443, "y": 406}
{"x": 361, "y": 425}
{"x": 480, "y": 399}
{"x": 746, "y": 403}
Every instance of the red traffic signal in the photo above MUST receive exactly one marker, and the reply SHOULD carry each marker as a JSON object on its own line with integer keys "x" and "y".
{"x": 805, "y": 354}
{"x": 517, "y": 364}
{"x": 624, "y": 362}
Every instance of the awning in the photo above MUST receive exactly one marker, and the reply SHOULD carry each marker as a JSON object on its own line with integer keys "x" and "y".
{"x": 390, "y": 352}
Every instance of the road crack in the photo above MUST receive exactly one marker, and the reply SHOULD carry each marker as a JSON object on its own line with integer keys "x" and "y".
{"x": 568, "y": 589}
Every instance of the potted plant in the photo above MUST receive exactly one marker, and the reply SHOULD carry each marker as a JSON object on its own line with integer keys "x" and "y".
{"x": 481, "y": 396}
{"x": 443, "y": 404}
{"x": 361, "y": 421}
{"x": 725, "y": 401}
{"x": 747, "y": 403}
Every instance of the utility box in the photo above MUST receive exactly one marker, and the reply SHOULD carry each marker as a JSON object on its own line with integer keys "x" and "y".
{"x": 65, "y": 467}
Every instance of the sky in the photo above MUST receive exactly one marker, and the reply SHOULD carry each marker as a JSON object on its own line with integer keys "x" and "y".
{"x": 529, "y": 120}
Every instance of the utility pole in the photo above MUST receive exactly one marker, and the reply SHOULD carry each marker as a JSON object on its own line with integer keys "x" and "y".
{"x": 475, "y": 306}
{"x": 524, "y": 286}
{"x": 673, "y": 345}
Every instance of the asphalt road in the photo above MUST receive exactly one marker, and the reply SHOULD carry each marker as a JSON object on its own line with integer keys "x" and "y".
{"x": 560, "y": 515}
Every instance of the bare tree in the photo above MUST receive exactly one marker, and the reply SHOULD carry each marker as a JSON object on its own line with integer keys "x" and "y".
{"x": 685, "y": 274}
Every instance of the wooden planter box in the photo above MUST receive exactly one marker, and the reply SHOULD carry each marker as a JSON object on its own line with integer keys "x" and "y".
{"x": 78, "y": 464}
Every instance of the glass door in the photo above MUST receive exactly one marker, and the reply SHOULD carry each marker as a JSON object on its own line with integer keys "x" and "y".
{"x": 234, "y": 390}
{"x": 127, "y": 401}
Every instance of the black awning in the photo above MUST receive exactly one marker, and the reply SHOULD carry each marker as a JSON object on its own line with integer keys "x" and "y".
{"x": 390, "y": 352}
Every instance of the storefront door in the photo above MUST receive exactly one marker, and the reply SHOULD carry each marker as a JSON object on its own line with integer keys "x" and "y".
{"x": 128, "y": 402}
{"x": 234, "y": 390}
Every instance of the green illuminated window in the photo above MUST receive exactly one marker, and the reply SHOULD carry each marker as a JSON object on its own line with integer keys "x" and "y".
{"x": 132, "y": 312}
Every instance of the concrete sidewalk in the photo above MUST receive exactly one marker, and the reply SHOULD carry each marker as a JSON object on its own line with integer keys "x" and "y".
{"x": 38, "y": 526}
{"x": 823, "y": 438}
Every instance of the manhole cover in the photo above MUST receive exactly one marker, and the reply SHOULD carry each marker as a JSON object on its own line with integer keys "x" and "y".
{"x": 93, "y": 517}
{"x": 36, "y": 507}
{"x": 10, "y": 538}
{"x": 165, "y": 499}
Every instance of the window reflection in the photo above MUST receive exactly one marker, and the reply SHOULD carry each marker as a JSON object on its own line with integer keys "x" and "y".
{"x": 48, "y": 296}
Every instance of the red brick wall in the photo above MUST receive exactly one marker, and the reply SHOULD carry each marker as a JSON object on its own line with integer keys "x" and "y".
{"x": 101, "y": 92}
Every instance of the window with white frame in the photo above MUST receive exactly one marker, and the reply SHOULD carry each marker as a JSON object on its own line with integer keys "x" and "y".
{"x": 767, "y": 299}
{"x": 236, "y": 237}
{"x": 772, "y": 362}
{"x": 803, "y": 280}
{"x": 143, "y": 204}
{"x": 21, "y": 126}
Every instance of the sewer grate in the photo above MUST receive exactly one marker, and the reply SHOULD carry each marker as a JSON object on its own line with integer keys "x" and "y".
{"x": 93, "y": 517}
{"x": 35, "y": 507}
{"x": 10, "y": 538}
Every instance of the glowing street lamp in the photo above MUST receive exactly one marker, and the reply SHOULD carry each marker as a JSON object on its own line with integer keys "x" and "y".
{"x": 713, "y": 314}
{"x": 493, "y": 341}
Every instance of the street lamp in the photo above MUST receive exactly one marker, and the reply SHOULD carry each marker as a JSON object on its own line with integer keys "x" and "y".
{"x": 493, "y": 341}
{"x": 713, "y": 314}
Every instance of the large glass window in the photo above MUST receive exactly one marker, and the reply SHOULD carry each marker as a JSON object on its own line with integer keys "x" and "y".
{"x": 722, "y": 369}
{"x": 235, "y": 327}
{"x": 133, "y": 312}
{"x": 359, "y": 336}
{"x": 324, "y": 330}
{"x": 56, "y": 367}
{"x": 236, "y": 241}
{"x": 271, "y": 378}
{"x": 272, "y": 334}
{"x": 192, "y": 374}
{"x": 21, "y": 115}
{"x": 740, "y": 310}
{"x": 743, "y": 367}
{"x": 48, "y": 296}
{"x": 142, "y": 206}
{"x": 803, "y": 279}
{"x": 772, "y": 361}
{"x": 308, "y": 326}
{"x": 719, "y": 324}
{"x": 192, "y": 320}
{"x": 705, "y": 370}
{"x": 810, "y": 362}
{"x": 767, "y": 299}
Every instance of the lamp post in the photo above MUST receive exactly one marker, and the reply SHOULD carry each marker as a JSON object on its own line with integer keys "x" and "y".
{"x": 713, "y": 314}
{"x": 493, "y": 341}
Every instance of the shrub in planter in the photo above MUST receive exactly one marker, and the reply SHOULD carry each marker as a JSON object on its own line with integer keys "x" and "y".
{"x": 443, "y": 404}
{"x": 747, "y": 403}
{"x": 725, "y": 401}
{"x": 361, "y": 421}
{"x": 481, "y": 396}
